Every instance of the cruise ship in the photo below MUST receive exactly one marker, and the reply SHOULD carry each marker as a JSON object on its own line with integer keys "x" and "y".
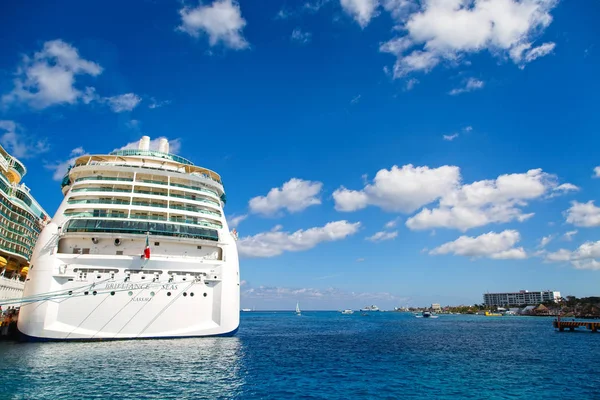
{"x": 21, "y": 221}
{"x": 139, "y": 248}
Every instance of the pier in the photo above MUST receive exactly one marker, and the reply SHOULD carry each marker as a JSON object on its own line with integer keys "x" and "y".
{"x": 561, "y": 325}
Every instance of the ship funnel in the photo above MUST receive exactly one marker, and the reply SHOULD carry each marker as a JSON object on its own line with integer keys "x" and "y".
{"x": 163, "y": 145}
{"x": 144, "y": 143}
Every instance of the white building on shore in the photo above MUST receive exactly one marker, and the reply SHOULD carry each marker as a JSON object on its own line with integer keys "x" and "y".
{"x": 522, "y": 297}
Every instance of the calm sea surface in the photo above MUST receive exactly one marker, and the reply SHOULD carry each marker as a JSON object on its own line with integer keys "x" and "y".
{"x": 319, "y": 355}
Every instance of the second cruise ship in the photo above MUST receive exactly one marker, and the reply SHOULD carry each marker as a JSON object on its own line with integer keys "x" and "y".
{"x": 139, "y": 248}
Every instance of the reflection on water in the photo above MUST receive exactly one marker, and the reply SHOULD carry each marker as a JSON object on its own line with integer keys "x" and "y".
{"x": 206, "y": 368}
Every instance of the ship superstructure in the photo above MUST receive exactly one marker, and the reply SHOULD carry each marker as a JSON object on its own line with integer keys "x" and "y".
{"x": 139, "y": 248}
{"x": 21, "y": 221}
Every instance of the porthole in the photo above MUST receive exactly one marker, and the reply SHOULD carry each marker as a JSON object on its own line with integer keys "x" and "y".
{"x": 130, "y": 293}
{"x": 70, "y": 292}
{"x": 112, "y": 293}
{"x": 86, "y": 293}
{"x": 184, "y": 294}
{"x": 152, "y": 294}
{"x": 192, "y": 294}
{"x": 215, "y": 277}
{"x": 94, "y": 293}
{"x": 168, "y": 293}
{"x": 205, "y": 294}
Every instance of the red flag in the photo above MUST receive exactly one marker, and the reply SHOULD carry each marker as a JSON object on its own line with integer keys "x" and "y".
{"x": 147, "y": 249}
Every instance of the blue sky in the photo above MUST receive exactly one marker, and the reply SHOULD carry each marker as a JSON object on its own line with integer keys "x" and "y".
{"x": 469, "y": 128}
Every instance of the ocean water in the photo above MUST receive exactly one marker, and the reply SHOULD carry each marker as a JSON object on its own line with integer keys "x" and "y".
{"x": 319, "y": 355}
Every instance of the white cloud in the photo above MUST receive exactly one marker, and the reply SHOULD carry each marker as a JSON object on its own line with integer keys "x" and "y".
{"x": 19, "y": 144}
{"x": 174, "y": 145}
{"x": 392, "y": 224}
{"x": 48, "y": 78}
{"x": 361, "y": 10}
{"x": 400, "y": 189}
{"x": 566, "y": 187}
{"x": 450, "y": 137}
{"x": 307, "y": 7}
{"x": 123, "y": 102}
{"x": 360, "y": 259}
{"x": 222, "y": 21}
{"x": 275, "y": 242}
{"x": 355, "y": 99}
{"x": 470, "y": 85}
{"x": 568, "y": 236}
{"x": 60, "y": 168}
{"x": 487, "y": 201}
{"x": 283, "y": 14}
{"x": 295, "y": 195}
{"x": 450, "y": 30}
{"x": 490, "y": 245}
{"x": 468, "y": 128}
{"x": 584, "y": 257}
{"x": 275, "y": 297}
{"x": 157, "y": 104}
{"x": 233, "y": 222}
{"x": 383, "y": 235}
{"x": 300, "y": 37}
{"x": 583, "y": 214}
{"x": 597, "y": 172}
{"x": 523, "y": 53}
{"x": 545, "y": 240}
{"x": 411, "y": 83}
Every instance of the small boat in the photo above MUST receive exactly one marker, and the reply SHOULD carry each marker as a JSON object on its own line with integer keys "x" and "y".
{"x": 426, "y": 314}
{"x": 298, "y": 309}
{"x": 492, "y": 314}
{"x": 348, "y": 311}
{"x": 370, "y": 308}
{"x": 246, "y": 309}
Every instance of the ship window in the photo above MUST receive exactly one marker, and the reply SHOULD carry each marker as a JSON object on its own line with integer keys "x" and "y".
{"x": 76, "y": 251}
{"x": 112, "y": 293}
{"x": 86, "y": 293}
{"x": 85, "y": 251}
{"x": 184, "y": 294}
{"x": 119, "y": 252}
{"x": 157, "y": 243}
{"x": 130, "y": 293}
{"x": 205, "y": 294}
{"x": 192, "y": 294}
{"x": 199, "y": 247}
{"x": 94, "y": 293}
{"x": 70, "y": 292}
{"x": 168, "y": 293}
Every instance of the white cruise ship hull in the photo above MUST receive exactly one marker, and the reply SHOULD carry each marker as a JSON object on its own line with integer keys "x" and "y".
{"x": 127, "y": 297}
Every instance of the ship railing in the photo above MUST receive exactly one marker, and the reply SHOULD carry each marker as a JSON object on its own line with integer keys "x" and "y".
{"x": 101, "y": 190}
{"x": 81, "y": 225}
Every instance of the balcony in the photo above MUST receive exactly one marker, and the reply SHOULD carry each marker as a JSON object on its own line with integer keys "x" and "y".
{"x": 98, "y": 201}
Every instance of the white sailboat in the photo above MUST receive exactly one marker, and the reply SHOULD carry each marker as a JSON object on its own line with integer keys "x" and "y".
{"x": 298, "y": 309}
